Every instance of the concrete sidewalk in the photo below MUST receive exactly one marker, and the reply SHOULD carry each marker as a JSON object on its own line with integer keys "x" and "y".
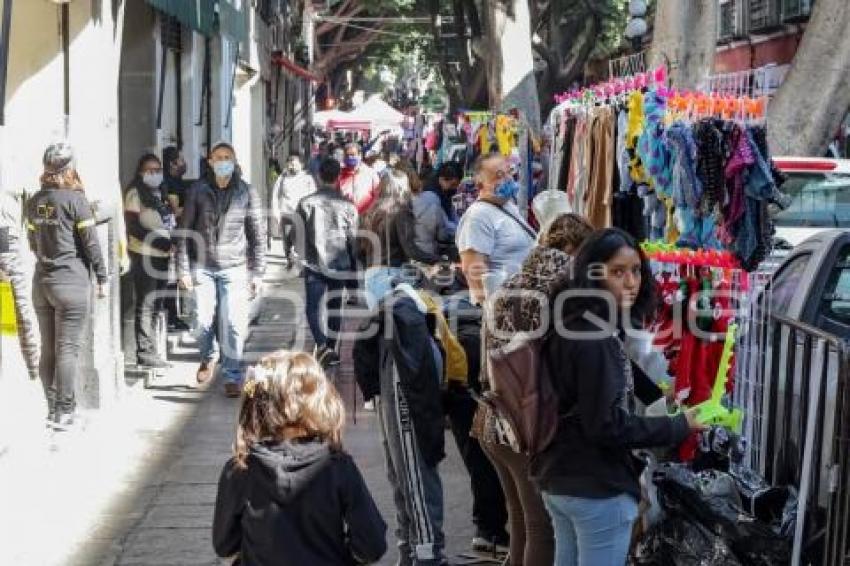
{"x": 139, "y": 486}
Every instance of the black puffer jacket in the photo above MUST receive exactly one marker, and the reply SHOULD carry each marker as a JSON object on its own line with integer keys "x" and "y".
{"x": 228, "y": 224}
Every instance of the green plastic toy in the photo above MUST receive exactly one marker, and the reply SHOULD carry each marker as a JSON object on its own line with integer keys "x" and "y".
{"x": 713, "y": 412}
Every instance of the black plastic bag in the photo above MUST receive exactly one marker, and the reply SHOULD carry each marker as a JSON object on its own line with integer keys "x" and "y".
{"x": 711, "y": 498}
{"x": 776, "y": 506}
{"x": 680, "y": 541}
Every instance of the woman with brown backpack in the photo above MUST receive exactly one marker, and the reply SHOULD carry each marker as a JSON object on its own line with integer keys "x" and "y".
{"x": 520, "y": 307}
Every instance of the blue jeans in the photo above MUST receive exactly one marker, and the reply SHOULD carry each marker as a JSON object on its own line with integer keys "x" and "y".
{"x": 321, "y": 290}
{"x": 591, "y": 532}
{"x": 222, "y": 296}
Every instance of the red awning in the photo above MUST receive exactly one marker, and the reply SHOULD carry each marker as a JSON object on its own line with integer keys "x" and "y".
{"x": 349, "y": 124}
{"x": 296, "y": 70}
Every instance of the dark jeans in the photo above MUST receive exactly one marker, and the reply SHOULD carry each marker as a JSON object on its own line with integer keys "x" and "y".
{"x": 489, "y": 513}
{"x": 63, "y": 315}
{"x": 488, "y": 502}
{"x": 287, "y": 234}
{"x": 323, "y": 291}
{"x": 150, "y": 276}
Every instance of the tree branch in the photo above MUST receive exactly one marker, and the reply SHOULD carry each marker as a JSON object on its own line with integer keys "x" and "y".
{"x": 339, "y": 13}
{"x": 352, "y": 47}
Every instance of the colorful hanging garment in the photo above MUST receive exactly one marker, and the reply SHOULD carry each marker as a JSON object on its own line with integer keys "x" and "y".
{"x": 634, "y": 129}
{"x": 505, "y": 134}
{"x": 685, "y": 184}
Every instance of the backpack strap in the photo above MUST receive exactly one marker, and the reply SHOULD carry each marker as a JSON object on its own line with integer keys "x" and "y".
{"x": 524, "y": 225}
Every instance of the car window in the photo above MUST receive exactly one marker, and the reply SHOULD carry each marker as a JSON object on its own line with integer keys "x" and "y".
{"x": 818, "y": 200}
{"x": 786, "y": 282}
{"x": 836, "y": 299}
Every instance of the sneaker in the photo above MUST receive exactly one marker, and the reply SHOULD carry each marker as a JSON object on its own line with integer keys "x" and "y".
{"x": 64, "y": 422}
{"x": 489, "y": 546}
{"x": 327, "y": 357}
{"x": 232, "y": 390}
{"x": 205, "y": 372}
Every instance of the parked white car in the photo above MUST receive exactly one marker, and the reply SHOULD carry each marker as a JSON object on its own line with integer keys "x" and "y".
{"x": 820, "y": 193}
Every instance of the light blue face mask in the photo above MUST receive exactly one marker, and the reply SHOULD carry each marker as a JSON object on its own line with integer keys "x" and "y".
{"x": 224, "y": 169}
{"x": 507, "y": 190}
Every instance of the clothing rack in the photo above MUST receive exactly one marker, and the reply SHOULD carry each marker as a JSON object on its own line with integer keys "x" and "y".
{"x": 665, "y": 151}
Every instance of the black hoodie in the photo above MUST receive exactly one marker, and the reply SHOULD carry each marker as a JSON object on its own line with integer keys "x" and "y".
{"x": 297, "y": 503}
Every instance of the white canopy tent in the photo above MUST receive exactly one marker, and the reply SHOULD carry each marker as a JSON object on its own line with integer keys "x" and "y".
{"x": 381, "y": 115}
{"x": 321, "y": 119}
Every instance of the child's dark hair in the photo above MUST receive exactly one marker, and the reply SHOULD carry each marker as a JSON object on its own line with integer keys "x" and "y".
{"x": 598, "y": 249}
{"x": 287, "y": 395}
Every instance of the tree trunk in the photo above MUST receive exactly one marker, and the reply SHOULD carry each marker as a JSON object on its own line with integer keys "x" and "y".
{"x": 685, "y": 39}
{"x": 510, "y": 67}
{"x": 566, "y": 53}
{"x": 815, "y": 96}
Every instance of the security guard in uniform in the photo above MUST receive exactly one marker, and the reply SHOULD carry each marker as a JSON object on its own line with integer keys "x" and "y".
{"x": 63, "y": 237}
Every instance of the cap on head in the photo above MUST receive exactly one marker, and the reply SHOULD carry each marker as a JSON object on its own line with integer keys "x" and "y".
{"x": 58, "y": 157}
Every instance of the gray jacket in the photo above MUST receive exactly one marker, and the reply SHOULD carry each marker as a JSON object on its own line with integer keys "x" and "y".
{"x": 432, "y": 224}
{"x": 222, "y": 228}
{"x": 12, "y": 264}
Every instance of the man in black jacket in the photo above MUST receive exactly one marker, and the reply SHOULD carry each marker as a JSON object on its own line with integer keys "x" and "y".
{"x": 327, "y": 244}
{"x": 221, "y": 255}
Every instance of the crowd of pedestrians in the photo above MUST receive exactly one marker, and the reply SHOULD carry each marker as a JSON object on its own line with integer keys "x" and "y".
{"x": 291, "y": 494}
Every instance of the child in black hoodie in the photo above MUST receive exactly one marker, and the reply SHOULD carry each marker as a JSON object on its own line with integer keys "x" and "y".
{"x": 290, "y": 495}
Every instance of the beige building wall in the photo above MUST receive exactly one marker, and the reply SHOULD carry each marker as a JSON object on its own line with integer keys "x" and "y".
{"x": 35, "y": 117}
{"x": 34, "y": 98}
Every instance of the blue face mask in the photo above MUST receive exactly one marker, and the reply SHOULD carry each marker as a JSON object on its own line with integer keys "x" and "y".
{"x": 352, "y": 162}
{"x": 507, "y": 190}
{"x": 224, "y": 169}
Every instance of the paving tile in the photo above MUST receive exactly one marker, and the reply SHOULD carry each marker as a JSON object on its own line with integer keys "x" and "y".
{"x": 166, "y": 515}
{"x": 167, "y": 511}
{"x": 169, "y": 547}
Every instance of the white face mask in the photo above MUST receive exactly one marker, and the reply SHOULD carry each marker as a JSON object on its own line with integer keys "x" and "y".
{"x": 153, "y": 180}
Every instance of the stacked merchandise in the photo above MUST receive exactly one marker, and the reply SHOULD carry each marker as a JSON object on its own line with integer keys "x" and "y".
{"x": 692, "y": 170}
{"x": 476, "y": 133}
{"x": 695, "y": 328}
{"x": 705, "y": 508}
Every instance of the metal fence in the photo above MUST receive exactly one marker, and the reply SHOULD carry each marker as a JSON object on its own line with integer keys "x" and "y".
{"x": 629, "y": 65}
{"x": 792, "y": 382}
{"x": 764, "y": 81}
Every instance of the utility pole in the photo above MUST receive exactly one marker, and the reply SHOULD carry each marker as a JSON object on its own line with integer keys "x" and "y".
{"x": 309, "y": 34}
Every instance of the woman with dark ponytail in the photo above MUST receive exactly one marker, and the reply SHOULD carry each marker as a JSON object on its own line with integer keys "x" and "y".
{"x": 63, "y": 236}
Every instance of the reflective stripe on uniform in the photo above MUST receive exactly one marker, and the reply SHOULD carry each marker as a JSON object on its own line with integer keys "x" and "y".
{"x": 85, "y": 223}
{"x": 30, "y": 226}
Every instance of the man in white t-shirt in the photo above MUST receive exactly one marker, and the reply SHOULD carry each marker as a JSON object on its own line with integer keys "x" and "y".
{"x": 493, "y": 239}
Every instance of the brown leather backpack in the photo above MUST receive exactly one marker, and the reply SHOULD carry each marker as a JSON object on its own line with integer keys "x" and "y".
{"x": 521, "y": 392}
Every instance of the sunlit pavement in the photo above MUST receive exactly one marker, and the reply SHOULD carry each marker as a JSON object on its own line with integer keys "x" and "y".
{"x": 138, "y": 486}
